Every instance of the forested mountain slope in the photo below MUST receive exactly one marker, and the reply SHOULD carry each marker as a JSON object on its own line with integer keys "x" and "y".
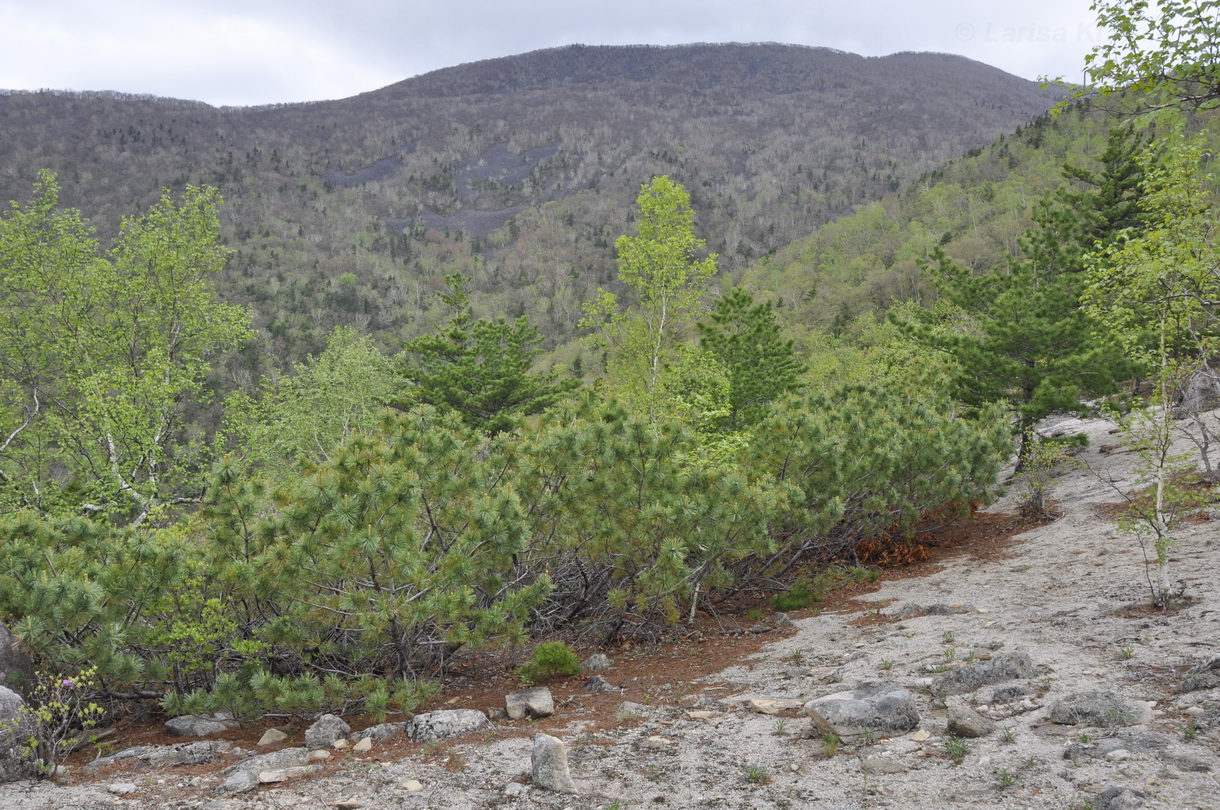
{"x": 518, "y": 172}
{"x": 976, "y": 207}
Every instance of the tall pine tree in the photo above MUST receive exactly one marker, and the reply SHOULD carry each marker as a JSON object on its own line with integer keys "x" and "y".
{"x": 744, "y": 337}
{"x": 1022, "y": 336}
{"x": 480, "y": 369}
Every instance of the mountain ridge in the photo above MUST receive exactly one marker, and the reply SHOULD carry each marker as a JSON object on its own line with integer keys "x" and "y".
{"x": 516, "y": 178}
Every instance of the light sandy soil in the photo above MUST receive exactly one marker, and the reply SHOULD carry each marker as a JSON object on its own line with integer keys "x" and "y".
{"x": 1061, "y": 592}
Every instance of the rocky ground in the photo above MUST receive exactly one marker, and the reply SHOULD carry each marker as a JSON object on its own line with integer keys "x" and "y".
{"x": 993, "y": 644}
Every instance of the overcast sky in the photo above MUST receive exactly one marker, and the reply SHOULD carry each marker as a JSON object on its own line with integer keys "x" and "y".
{"x": 243, "y": 52}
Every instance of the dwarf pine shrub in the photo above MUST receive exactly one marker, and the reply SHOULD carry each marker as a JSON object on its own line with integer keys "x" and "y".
{"x": 551, "y": 659}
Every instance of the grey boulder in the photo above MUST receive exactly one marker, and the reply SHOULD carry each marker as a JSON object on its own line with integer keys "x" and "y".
{"x": 191, "y": 725}
{"x": 1101, "y": 709}
{"x": 385, "y": 731}
{"x": 533, "y": 702}
{"x": 549, "y": 765}
{"x": 870, "y": 708}
{"x": 966, "y": 722}
{"x": 1007, "y": 666}
{"x": 438, "y": 725}
{"x": 325, "y": 731}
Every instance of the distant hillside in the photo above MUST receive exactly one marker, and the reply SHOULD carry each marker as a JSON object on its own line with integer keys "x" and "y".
{"x": 519, "y": 172}
{"x": 976, "y": 207}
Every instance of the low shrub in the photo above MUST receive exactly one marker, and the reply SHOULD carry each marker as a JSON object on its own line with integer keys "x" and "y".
{"x": 551, "y": 659}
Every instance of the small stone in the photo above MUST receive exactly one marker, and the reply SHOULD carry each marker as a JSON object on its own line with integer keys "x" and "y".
{"x": 438, "y": 725}
{"x": 284, "y": 774}
{"x": 272, "y": 736}
{"x": 1118, "y": 798}
{"x": 1101, "y": 709}
{"x": 658, "y": 743}
{"x": 598, "y": 684}
{"x": 121, "y": 788}
{"x": 284, "y": 758}
{"x": 1196, "y": 711}
{"x": 631, "y": 711}
{"x": 413, "y": 785}
{"x": 348, "y": 804}
{"x": 533, "y": 702}
{"x": 239, "y": 782}
{"x": 321, "y": 755}
{"x": 364, "y": 745}
{"x": 325, "y": 731}
{"x": 378, "y": 733}
{"x": 515, "y": 789}
{"x": 191, "y": 725}
{"x": 701, "y": 714}
{"x": 870, "y": 708}
{"x": 921, "y": 735}
{"x": 597, "y": 663}
{"x": 773, "y": 706}
{"x": 1007, "y": 666}
{"x": 881, "y": 765}
{"x": 965, "y": 722}
{"x": 340, "y": 744}
{"x": 549, "y": 765}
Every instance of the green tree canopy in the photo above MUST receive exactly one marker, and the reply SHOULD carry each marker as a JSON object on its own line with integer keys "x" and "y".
{"x": 745, "y": 339}
{"x": 306, "y": 415}
{"x": 480, "y": 369}
{"x": 1167, "y": 51}
{"x": 1021, "y": 336}
{"x": 1159, "y": 290}
{"x": 100, "y": 354}
{"x": 667, "y": 279}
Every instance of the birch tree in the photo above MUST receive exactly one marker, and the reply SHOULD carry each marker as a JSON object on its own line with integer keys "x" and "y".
{"x": 101, "y": 352}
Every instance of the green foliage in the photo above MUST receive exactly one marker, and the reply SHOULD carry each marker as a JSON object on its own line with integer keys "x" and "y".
{"x": 306, "y": 415}
{"x": 1044, "y": 462}
{"x": 957, "y": 748}
{"x": 1164, "y": 50}
{"x": 195, "y": 645}
{"x": 78, "y": 591}
{"x": 50, "y": 724}
{"x": 417, "y": 537}
{"x": 624, "y": 523}
{"x": 810, "y": 590}
{"x": 100, "y": 355}
{"x": 757, "y": 775}
{"x": 1020, "y": 336}
{"x": 551, "y": 659}
{"x": 408, "y": 549}
{"x": 871, "y": 460}
{"x": 660, "y": 267}
{"x": 761, "y": 367}
{"x": 798, "y": 597}
{"x": 252, "y": 694}
{"x": 1157, "y": 290}
{"x": 480, "y": 369}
